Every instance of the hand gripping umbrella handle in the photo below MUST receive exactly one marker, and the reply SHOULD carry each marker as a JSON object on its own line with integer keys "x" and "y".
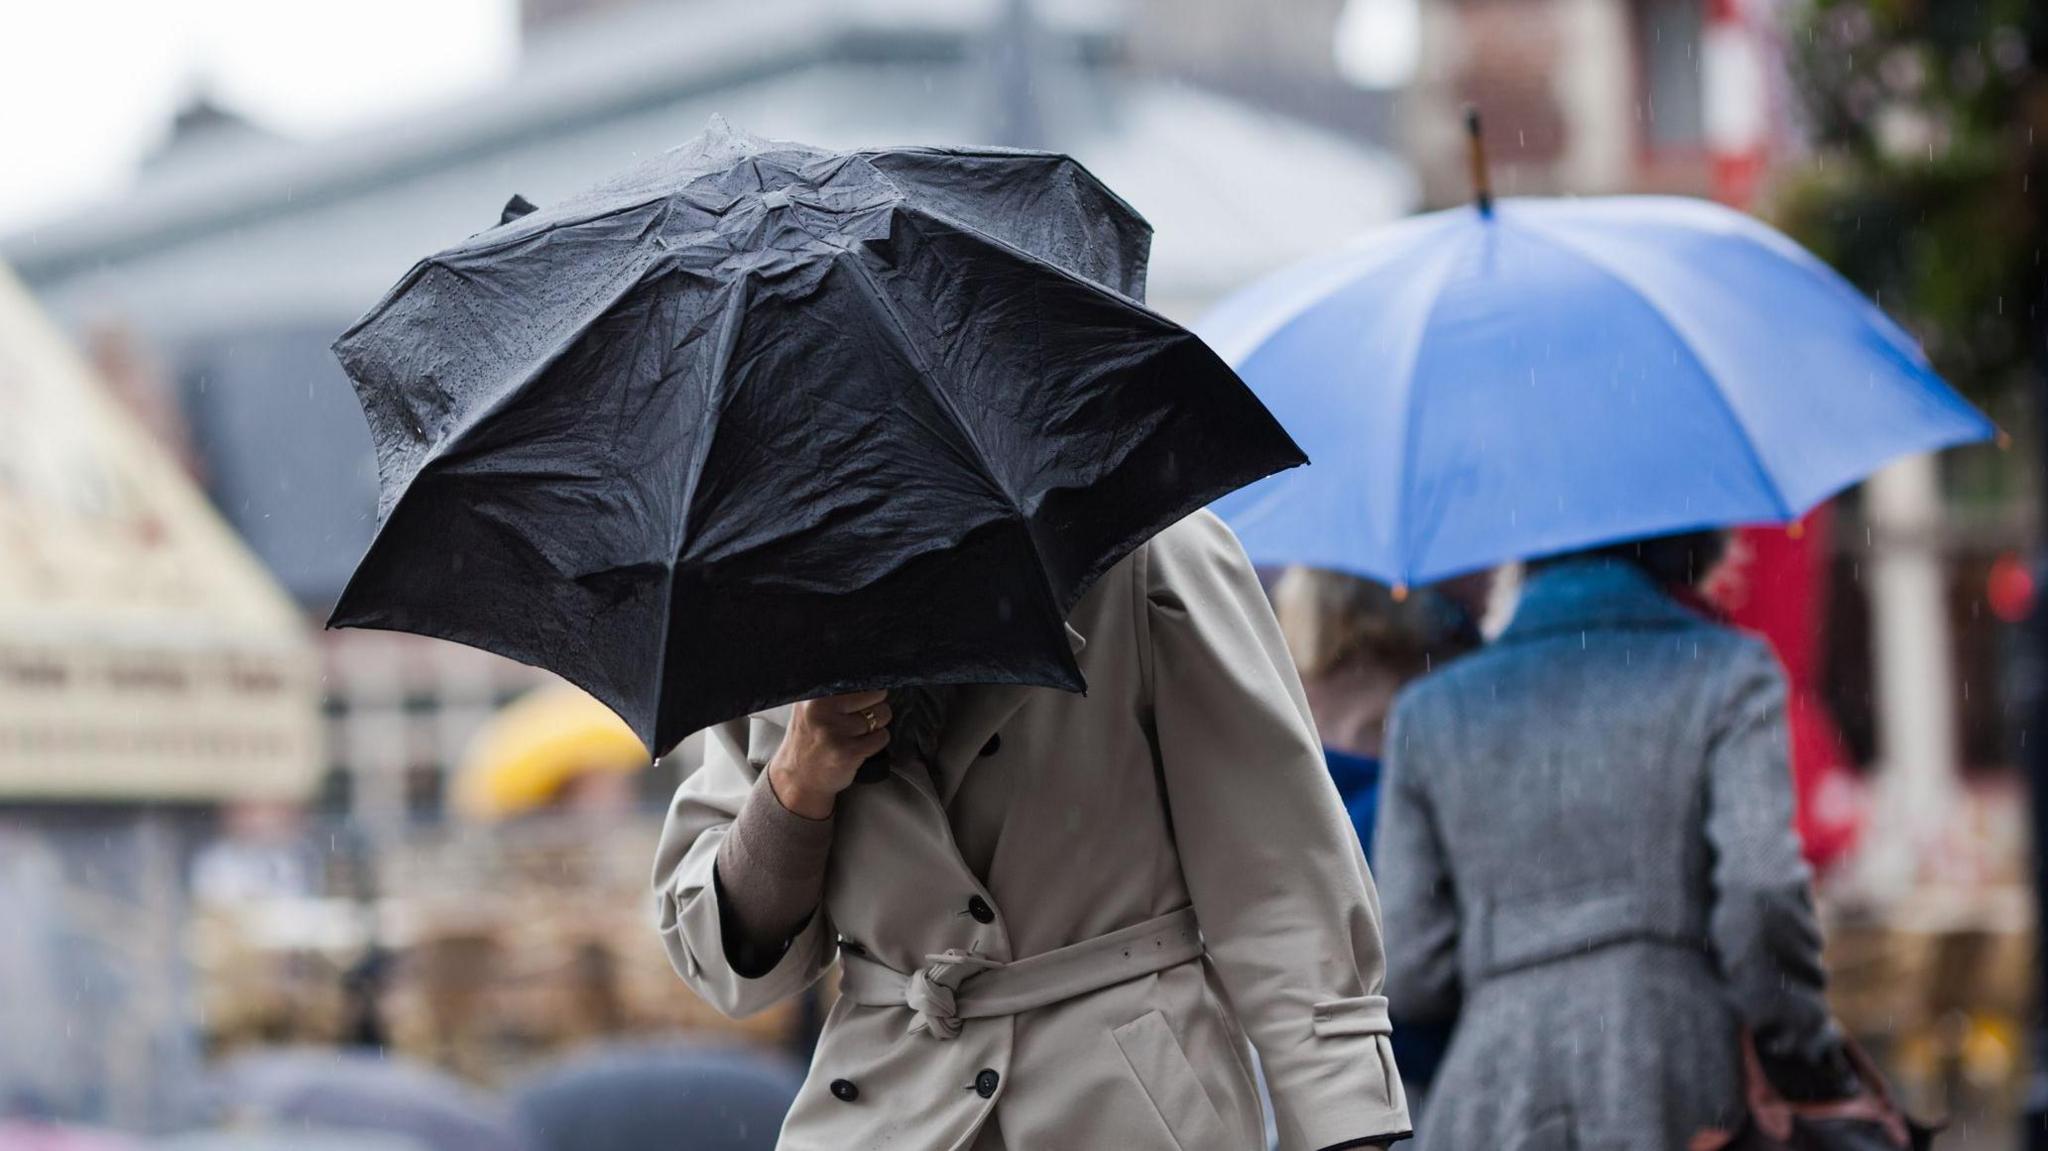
{"x": 913, "y": 710}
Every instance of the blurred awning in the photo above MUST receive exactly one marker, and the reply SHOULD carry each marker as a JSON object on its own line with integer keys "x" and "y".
{"x": 535, "y": 746}
{"x": 144, "y": 654}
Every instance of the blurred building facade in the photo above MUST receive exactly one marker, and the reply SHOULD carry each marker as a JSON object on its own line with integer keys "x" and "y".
{"x": 1587, "y": 97}
{"x": 150, "y": 674}
{"x": 238, "y": 256}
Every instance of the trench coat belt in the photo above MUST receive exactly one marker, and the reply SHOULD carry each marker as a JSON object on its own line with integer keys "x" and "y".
{"x": 956, "y": 985}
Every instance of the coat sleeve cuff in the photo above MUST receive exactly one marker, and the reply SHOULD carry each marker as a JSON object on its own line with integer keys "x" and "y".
{"x": 692, "y": 925}
{"x": 770, "y": 874}
{"x": 1341, "y": 1088}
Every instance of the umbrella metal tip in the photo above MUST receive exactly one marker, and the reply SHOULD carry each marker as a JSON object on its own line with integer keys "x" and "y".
{"x": 1400, "y": 593}
{"x": 1796, "y": 529}
{"x": 1475, "y": 147}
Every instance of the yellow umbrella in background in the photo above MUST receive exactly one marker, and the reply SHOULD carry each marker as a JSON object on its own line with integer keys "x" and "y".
{"x": 536, "y": 746}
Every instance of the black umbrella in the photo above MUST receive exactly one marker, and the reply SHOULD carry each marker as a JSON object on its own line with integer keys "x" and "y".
{"x": 756, "y": 422}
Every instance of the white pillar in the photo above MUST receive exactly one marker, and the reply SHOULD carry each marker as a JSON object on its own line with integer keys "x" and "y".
{"x": 1594, "y": 79}
{"x": 1914, "y": 676}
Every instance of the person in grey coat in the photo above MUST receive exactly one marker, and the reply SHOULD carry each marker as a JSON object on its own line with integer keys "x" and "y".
{"x": 1587, "y": 857}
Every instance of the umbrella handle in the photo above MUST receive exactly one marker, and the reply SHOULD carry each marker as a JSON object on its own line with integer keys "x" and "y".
{"x": 1475, "y": 151}
{"x": 874, "y": 770}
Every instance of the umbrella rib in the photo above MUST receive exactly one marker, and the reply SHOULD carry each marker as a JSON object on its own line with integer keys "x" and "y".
{"x": 729, "y": 326}
{"x": 1411, "y": 422}
{"x": 1039, "y": 263}
{"x": 1010, "y": 154}
{"x": 444, "y": 260}
{"x": 929, "y": 378}
{"x": 451, "y": 446}
{"x": 913, "y": 206}
{"x": 1287, "y": 300}
{"x": 910, "y": 349}
{"x": 1685, "y": 340}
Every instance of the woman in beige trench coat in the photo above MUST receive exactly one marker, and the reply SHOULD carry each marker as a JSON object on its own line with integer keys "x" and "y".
{"x": 1061, "y": 931}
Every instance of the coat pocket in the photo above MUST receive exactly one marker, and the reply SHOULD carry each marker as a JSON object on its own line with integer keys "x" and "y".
{"x": 1169, "y": 1081}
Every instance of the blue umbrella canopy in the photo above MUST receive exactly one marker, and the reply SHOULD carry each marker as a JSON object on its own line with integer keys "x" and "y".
{"x": 1475, "y": 386}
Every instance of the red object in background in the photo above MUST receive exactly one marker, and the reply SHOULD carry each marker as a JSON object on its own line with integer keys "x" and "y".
{"x": 1739, "y": 115}
{"x": 1779, "y": 590}
{"x": 2010, "y": 589}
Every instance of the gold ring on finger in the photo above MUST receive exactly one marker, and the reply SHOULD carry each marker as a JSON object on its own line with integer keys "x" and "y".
{"x": 868, "y": 713}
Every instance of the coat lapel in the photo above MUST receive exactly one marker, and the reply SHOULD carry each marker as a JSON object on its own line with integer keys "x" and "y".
{"x": 978, "y": 713}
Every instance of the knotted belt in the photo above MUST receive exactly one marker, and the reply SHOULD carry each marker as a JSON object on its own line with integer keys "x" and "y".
{"x": 956, "y": 985}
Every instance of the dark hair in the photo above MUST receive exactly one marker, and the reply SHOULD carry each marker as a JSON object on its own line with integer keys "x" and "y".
{"x": 1681, "y": 560}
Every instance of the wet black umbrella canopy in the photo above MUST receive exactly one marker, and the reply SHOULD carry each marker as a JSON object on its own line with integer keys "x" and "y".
{"x": 757, "y": 422}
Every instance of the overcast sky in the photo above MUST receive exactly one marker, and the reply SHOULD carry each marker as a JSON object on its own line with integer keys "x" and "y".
{"x": 88, "y": 86}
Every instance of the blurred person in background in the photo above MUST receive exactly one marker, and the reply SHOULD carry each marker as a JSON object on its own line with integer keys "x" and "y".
{"x": 1356, "y": 644}
{"x": 1587, "y": 858}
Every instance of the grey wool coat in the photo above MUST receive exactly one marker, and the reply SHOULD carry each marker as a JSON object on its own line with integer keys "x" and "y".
{"x": 1175, "y": 824}
{"x": 1586, "y": 853}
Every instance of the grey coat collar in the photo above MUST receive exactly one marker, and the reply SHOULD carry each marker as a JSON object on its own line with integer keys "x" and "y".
{"x": 1593, "y": 595}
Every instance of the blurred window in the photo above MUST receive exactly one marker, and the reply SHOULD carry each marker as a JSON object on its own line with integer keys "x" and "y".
{"x": 1990, "y": 659}
{"x": 337, "y": 791}
{"x": 425, "y": 791}
{"x": 1378, "y": 43}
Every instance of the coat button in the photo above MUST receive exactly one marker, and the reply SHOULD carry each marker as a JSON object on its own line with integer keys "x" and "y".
{"x": 994, "y": 744}
{"x": 844, "y": 1090}
{"x": 985, "y": 1083}
{"x": 980, "y": 910}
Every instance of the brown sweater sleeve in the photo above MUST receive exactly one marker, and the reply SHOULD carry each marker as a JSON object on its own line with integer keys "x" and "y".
{"x": 770, "y": 876}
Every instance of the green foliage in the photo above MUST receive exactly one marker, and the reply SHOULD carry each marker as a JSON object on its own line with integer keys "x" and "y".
{"x": 1927, "y": 188}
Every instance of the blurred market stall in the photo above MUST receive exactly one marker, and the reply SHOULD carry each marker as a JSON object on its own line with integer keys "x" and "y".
{"x": 150, "y": 672}
{"x": 145, "y": 652}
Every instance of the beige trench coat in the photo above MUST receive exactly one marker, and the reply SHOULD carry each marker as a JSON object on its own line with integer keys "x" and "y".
{"x": 1188, "y": 776}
